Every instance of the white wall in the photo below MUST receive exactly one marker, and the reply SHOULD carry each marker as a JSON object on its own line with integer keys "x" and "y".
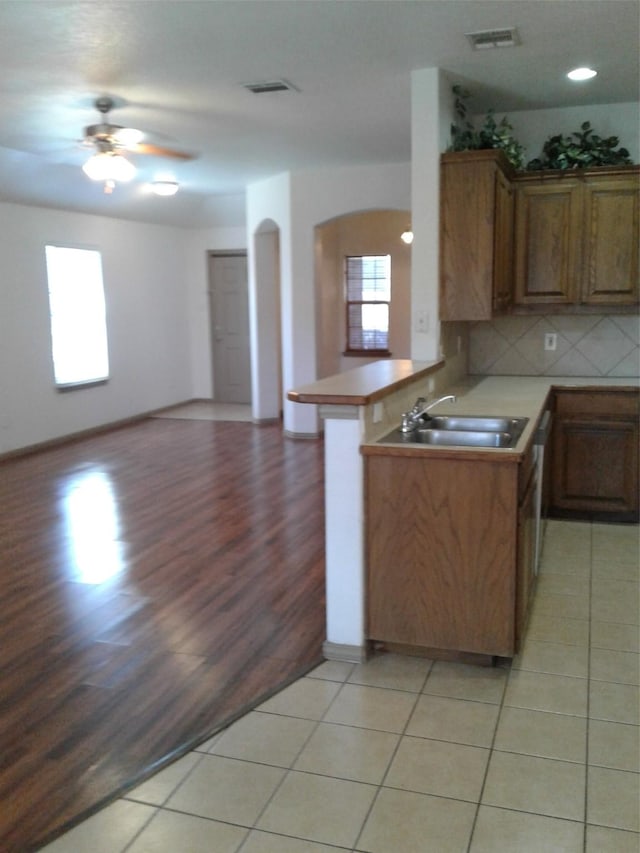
{"x": 269, "y": 210}
{"x": 431, "y": 106}
{"x": 149, "y": 341}
{"x": 156, "y": 278}
{"x": 318, "y": 196}
{"x": 297, "y": 202}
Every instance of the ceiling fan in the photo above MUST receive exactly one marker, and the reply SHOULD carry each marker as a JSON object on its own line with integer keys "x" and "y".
{"x": 110, "y": 141}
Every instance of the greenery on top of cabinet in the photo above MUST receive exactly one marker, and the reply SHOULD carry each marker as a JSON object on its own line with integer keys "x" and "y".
{"x": 492, "y": 134}
{"x": 581, "y": 150}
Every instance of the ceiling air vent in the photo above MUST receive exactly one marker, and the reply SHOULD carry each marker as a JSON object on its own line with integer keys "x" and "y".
{"x": 507, "y": 37}
{"x": 267, "y": 86}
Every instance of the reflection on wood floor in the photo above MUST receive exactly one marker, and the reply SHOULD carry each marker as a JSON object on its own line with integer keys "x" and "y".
{"x": 155, "y": 582}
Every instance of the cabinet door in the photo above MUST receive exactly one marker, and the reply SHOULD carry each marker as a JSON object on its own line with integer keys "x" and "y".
{"x": 595, "y": 467}
{"x": 610, "y": 245}
{"x": 441, "y": 553}
{"x": 547, "y": 242}
{"x": 470, "y": 219}
{"x": 503, "y": 245}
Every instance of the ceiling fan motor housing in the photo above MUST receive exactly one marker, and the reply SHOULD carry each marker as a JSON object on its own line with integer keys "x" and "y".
{"x": 101, "y": 131}
{"x": 104, "y": 104}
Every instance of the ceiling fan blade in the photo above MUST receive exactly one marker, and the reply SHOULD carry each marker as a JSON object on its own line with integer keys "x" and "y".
{"x": 159, "y": 151}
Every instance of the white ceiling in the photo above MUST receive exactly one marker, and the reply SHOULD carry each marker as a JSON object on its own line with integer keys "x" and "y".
{"x": 176, "y": 67}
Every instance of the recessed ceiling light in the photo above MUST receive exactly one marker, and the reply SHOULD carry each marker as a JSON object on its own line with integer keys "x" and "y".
{"x": 581, "y": 74}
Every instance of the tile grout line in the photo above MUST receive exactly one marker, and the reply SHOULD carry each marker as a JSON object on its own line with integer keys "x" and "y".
{"x": 161, "y": 807}
{"x": 381, "y": 784}
{"x": 289, "y": 769}
{"x": 491, "y": 751}
{"x": 202, "y": 756}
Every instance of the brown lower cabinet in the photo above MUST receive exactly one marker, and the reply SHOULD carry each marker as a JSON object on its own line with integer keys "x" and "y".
{"x": 449, "y": 551}
{"x": 595, "y": 454}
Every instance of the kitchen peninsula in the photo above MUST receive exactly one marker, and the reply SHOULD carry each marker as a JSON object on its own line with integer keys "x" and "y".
{"x": 359, "y": 407}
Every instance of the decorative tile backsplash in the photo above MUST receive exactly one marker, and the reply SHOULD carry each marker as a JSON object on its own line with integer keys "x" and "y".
{"x": 586, "y": 345}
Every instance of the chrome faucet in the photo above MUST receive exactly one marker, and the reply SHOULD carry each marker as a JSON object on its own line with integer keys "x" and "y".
{"x": 420, "y": 407}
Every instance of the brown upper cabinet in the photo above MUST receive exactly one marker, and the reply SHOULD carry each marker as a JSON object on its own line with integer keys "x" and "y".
{"x": 535, "y": 240}
{"x": 476, "y": 234}
{"x": 576, "y": 238}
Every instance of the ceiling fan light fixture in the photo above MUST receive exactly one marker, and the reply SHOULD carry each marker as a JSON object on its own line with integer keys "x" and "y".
{"x": 165, "y": 188}
{"x": 128, "y": 136}
{"x": 109, "y": 166}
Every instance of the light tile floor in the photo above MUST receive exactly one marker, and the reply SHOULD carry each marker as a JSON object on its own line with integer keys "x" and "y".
{"x": 405, "y": 755}
{"x": 208, "y": 410}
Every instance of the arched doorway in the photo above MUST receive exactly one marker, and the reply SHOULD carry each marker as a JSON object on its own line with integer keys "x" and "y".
{"x": 370, "y": 232}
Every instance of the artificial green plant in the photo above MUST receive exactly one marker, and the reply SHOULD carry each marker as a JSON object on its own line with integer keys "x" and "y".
{"x": 492, "y": 134}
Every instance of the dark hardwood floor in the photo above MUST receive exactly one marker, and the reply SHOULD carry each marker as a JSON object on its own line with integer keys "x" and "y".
{"x": 155, "y": 582}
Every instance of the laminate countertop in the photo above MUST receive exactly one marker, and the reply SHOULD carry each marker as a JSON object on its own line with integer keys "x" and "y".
{"x": 506, "y": 396}
{"x": 366, "y": 384}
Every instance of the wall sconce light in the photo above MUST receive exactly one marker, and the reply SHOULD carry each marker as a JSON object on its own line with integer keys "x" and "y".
{"x": 165, "y": 187}
{"x": 407, "y": 236}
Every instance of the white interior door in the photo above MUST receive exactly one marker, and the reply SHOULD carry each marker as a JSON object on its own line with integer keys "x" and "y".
{"x": 228, "y": 287}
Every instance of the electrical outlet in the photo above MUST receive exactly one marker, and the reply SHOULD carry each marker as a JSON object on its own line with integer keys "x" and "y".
{"x": 422, "y": 321}
{"x": 378, "y": 412}
{"x": 550, "y": 340}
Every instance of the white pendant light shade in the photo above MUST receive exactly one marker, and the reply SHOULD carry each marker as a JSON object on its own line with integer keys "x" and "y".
{"x": 108, "y": 166}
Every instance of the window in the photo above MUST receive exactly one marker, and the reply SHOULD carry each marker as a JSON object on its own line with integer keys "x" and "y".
{"x": 368, "y": 295}
{"x": 78, "y": 317}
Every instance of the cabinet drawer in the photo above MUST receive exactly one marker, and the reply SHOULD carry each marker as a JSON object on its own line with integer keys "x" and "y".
{"x": 608, "y": 403}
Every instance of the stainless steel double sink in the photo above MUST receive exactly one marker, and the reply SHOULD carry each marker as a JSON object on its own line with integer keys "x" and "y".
{"x": 461, "y": 431}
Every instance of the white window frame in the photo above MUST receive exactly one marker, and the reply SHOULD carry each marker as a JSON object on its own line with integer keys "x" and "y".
{"x": 374, "y": 299}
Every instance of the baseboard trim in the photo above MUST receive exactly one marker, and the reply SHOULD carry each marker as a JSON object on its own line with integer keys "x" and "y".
{"x": 87, "y": 433}
{"x": 303, "y": 435}
{"x": 345, "y": 652}
{"x": 265, "y": 421}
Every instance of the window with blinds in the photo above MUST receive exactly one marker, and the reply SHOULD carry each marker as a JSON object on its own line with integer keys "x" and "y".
{"x": 368, "y": 296}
